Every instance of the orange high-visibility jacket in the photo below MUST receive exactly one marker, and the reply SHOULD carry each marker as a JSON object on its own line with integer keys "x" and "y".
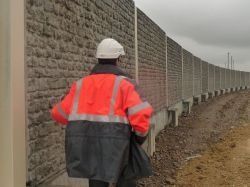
{"x": 100, "y": 111}
{"x": 105, "y": 98}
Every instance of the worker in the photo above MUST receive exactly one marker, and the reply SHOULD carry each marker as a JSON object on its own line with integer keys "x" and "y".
{"x": 100, "y": 112}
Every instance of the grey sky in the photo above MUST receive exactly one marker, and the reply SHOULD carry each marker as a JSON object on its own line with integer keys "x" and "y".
{"x": 207, "y": 28}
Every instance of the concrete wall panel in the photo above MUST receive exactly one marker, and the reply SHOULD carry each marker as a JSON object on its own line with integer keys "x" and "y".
{"x": 152, "y": 61}
{"x": 228, "y": 78}
{"x": 174, "y": 71}
{"x": 197, "y": 76}
{"x": 246, "y": 76}
{"x": 61, "y": 40}
{"x": 217, "y": 78}
{"x": 187, "y": 74}
{"x": 211, "y": 81}
{"x": 238, "y": 78}
{"x": 242, "y": 78}
{"x": 223, "y": 78}
{"x": 205, "y": 77}
{"x": 248, "y": 79}
{"x": 233, "y": 79}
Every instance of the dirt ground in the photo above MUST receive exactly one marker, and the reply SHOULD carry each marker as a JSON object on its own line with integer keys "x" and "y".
{"x": 210, "y": 147}
{"x": 224, "y": 164}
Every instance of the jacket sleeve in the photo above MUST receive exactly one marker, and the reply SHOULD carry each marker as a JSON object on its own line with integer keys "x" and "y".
{"x": 60, "y": 112}
{"x": 139, "y": 111}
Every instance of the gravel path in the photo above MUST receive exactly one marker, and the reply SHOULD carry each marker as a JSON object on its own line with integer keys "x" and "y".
{"x": 207, "y": 125}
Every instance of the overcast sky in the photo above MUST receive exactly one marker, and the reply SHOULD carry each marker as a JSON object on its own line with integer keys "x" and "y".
{"x": 207, "y": 28}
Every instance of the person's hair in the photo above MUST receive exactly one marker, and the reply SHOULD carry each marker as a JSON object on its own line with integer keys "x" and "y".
{"x": 107, "y": 61}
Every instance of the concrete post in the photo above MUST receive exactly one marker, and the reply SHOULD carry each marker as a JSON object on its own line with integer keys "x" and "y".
{"x": 235, "y": 74}
{"x": 201, "y": 75}
{"x": 182, "y": 73}
{"x": 167, "y": 70}
{"x": 193, "y": 72}
{"x": 208, "y": 77}
{"x": 220, "y": 78}
{"x": 136, "y": 48}
{"x": 12, "y": 94}
{"x": 226, "y": 78}
{"x": 230, "y": 86}
{"x": 151, "y": 140}
{"x": 214, "y": 78}
{"x": 241, "y": 80}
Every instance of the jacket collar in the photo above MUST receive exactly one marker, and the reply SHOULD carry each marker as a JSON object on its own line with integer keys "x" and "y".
{"x": 108, "y": 69}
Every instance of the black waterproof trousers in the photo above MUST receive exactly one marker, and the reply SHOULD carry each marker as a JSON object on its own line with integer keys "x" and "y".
{"x": 121, "y": 183}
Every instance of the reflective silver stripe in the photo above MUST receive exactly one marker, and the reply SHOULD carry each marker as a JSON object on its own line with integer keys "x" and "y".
{"x": 141, "y": 134}
{"x": 114, "y": 93}
{"x": 138, "y": 108}
{"x": 76, "y": 97}
{"x": 98, "y": 118}
{"x": 61, "y": 112}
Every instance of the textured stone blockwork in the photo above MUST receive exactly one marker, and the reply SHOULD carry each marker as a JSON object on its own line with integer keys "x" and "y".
{"x": 223, "y": 78}
{"x": 187, "y": 74}
{"x": 174, "y": 71}
{"x": 245, "y": 74}
{"x": 248, "y": 79}
{"x": 211, "y": 85}
{"x": 152, "y": 61}
{"x": 233, "y": 79}
{"x": 228, "y": 78}
{"x": 217, "y": 78}
{"x": 61, "y": 39}
{"x": 238, "y": 78}
{"x": 205, "y": 76}
{"x": 197, "y": 76}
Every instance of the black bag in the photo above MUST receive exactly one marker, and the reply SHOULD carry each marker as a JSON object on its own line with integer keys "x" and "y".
{"x": 139, "y": 165}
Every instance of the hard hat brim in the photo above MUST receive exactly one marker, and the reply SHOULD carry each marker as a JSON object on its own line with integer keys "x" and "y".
{"x": 110, "y": 56}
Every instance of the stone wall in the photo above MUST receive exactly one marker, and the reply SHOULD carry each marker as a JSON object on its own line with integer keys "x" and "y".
{"x": 187, "y": 74}
{"x": 217, "y": 78}
{"x": 197, "y": 76}
{"x": 228, "y": 78}
{"x": 241, "y": 78}
{"x": 223, "y": 78}
{"x": 233, "y": 80}
{"x": 245, "y": 75}
{"x": 211, "y": 70}
{"x": 152, "y": 61}
{"x": 61, "y": 39}
{"x": 205, "y": 76}
{"x": 174, "y": 71}
{"x": 236, "y": 81}
{"x": 247, "y": 79}
{"x": 238, "y": 78}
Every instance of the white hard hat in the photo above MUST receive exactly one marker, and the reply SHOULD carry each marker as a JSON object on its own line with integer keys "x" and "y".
{"x": 109, "y": 49}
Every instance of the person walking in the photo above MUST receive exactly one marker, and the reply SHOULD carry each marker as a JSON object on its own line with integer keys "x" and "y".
{"x": 101, "y": 112}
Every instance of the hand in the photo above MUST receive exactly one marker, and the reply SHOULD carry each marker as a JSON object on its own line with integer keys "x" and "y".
{"x": 62, "y": 97}
{"x": 53, "y": 101}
